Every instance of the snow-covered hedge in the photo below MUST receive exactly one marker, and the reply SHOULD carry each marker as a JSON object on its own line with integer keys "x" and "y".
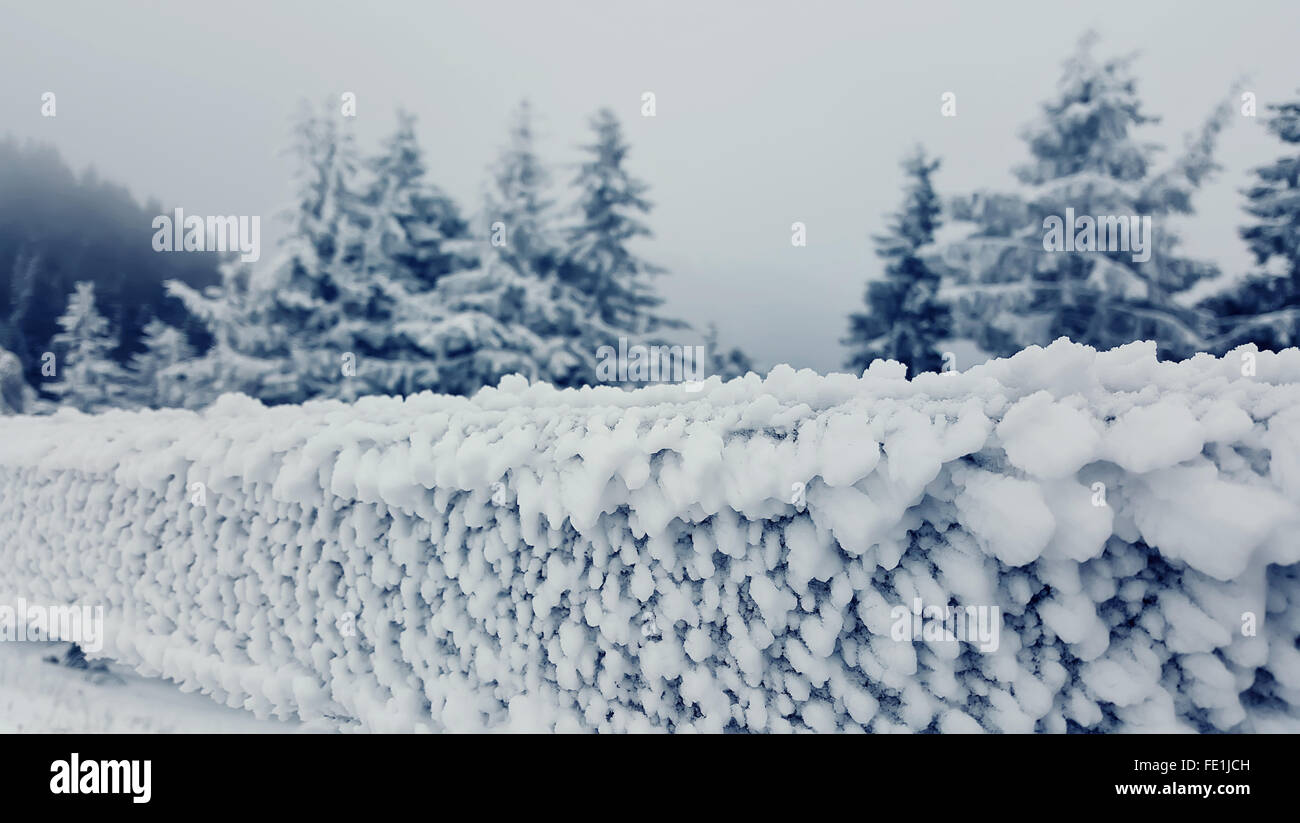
{"x": 746, "y": 556}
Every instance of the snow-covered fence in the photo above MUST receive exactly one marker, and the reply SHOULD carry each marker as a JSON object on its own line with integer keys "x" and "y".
{"x": 746, "y": 556}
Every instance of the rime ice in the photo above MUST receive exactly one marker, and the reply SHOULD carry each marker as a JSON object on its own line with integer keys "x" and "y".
{"x": 628, "y": 561}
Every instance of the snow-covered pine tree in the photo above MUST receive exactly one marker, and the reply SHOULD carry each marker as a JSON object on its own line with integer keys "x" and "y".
{"x": 493, "y": 321}
{"x": 87, "y": 378}
{"x": 904, "y": 320}
{"x": 413, "y": 230}
{"x": 307, "y": 280}
{"x": 598, "y": 260}
{"x": 22, "y": 287}
{"x": 164, "y": 347}
{"x": 1009, "y": 292}
{"x": 405, "y": 236}
{"x": 362, "y": 277}
{"x": 504, "y": 313}
{"x": 247, "y": 353}
{"x": 519, "y": 203}
{"x": 1264, "y": 307}
{"x": 514, "y": 313}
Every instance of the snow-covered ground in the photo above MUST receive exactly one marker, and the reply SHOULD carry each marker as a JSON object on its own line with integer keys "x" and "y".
{"x": 41, "y": 696}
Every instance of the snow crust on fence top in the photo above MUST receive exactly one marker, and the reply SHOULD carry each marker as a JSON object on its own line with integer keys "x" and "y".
{"x": 726, "y": 558}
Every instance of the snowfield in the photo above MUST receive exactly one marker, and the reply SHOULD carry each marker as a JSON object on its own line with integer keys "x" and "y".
{"x": 38, "y": 696}
{"x": 736, "y": 558}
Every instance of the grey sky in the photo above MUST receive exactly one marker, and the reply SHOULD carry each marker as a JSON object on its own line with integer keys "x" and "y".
{"x": 768, "y": 112}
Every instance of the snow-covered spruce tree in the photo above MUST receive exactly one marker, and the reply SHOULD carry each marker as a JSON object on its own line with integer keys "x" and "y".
{"x": 371, "y": 293}
{"x": 304, "y": 289}
{"x": 412, "y": 230}
{"x": 22, "y": 287}
{"x": 275, "y": 340}
{"x": 417, "y": 310}
{"x": 1264, "y": 307}
{"x": 1008, "y": 291}
{"x": 513, "y": 313}
{"x": 246, "y": 354}
{"x": 598, "y": 260}
{"x": 405, "y": 236}
{"x": 519, "y": 212}
{"x": 306, "y": 282}
{"x": 492, "y": 321}
{"x": 904, "y": 320}
{"x": 164, "y": 347}
{"x": 86, "y": 377}
{"x": 487, "y": 316}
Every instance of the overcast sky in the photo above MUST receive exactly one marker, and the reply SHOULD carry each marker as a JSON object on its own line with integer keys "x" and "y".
{"x": 767, "y": 112}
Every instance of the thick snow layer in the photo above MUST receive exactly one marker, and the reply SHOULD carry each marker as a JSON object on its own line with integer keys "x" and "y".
{"x": 730, "y": 558}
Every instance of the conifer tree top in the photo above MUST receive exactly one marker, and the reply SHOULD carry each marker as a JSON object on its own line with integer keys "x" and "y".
{"x": 1088, "y": 126}
{"x": 1274, "y": 197}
